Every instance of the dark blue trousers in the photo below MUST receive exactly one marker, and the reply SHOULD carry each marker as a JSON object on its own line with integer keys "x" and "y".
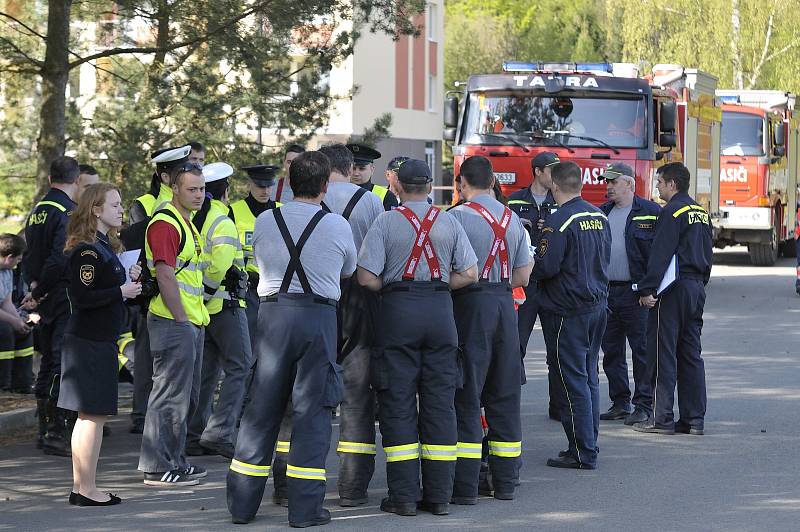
{"x": 574, "y": 343}
{"x": 674, "y": 350}
{"x": 626, "y": 320}
{"x": 526, "y": 319}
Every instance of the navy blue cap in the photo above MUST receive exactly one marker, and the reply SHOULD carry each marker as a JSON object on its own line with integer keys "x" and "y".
{"x": 363, "y": 154}
{"x": 395, "y": 163}
{"x": 262, "y": 175}
{"x": 414, "y": 172}
{"x": 545, "y": 159}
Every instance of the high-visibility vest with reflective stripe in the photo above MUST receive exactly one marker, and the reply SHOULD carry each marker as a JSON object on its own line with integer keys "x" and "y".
{"x": 245, "y": 223}
{"x": 221, "y": 250}
{"x": 380, "y": 191}
{"x": 151, "y": 203}
{"x": 190, "y": 276}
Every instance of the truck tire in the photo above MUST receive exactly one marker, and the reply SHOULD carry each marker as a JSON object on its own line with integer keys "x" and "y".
{"x": 764, "y": 254}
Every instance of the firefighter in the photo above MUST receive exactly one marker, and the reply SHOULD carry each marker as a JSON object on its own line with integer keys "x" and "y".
{"x": 363, "y": 167}
{"x": 16, "y": 339}
{"x": 632, "y": 221}
{"x": 418, "y": 344}
{"x": 683, "y": 232}
{"x": 572, "y": 271}
{"x": 160, "y": 193}
{"x": 487, "y": 331}
{"x": 44, "y": 270}
{"x": 533, "y": 205}
{"x": 282, "y": 191}
{"x": 358, "y": 308}
{"x": 296, "y": 347}
{"x": 227, "y": 340}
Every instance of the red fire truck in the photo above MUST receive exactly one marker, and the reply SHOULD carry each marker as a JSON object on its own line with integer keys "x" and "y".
{"x": 759, "y": 173}
{"x": 592, "y": 114}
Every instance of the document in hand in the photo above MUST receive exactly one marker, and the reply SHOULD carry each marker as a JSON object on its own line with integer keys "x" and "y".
{"x": 128, "y": 259}
{"x": 669, "y": 276}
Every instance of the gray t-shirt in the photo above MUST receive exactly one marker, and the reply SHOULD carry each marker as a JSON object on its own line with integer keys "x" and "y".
{"x": 368, "y": 208}
{"x": 389, "y": 241}
{"x": 481, "y": 235}
{"x": 617, "y": 220}
{"x": 328, "y": 253}
{"x": 6, "y": 283}
{"x": 286, "y": 193}
{"x": 539, "y": 198}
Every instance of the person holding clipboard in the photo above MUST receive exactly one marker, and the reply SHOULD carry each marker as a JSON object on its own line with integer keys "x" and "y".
{"x": 681, "y": 253}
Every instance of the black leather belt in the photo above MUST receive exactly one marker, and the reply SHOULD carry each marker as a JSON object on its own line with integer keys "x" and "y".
{"x": 421, "y": 286}
{"x": 483, "y": 287}
{"x": 316, "y": 299}
{"x": 620, "y": 283}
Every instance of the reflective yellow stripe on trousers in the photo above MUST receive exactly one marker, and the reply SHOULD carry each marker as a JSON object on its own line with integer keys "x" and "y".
{"x": 356, "y": 447}
{"x": 399, "y": 453}
{"x": 438, "y": 452}
{"x": 308, "y": 473}
{"x": 506, "y": 449}
{"x": 251, "y": 470}
{"x": 469, "y": 450}
{"x": 22, "y": 353}
{"x": 283, "y": 446}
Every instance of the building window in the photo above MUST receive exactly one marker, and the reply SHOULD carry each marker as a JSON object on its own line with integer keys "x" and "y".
{"x": 429, "y": 155}
{"x": 433, "y": 87}
{"x": 432, "y": 22}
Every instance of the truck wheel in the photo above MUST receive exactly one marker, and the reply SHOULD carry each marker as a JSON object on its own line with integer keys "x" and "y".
{"x": 764, "y": 254}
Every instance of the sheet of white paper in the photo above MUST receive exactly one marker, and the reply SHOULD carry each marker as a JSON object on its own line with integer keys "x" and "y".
{"x": 670, "y": 275}
{"x": 128, "y": 259}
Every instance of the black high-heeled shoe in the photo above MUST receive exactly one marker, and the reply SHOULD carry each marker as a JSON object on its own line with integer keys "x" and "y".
{"x": 81, "y": 500}
{"x": 73, "y": 498}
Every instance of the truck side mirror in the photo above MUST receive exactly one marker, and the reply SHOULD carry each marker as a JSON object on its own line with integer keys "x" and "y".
{"x": 668, "y": 117}
{"x": 779, "y": 136}
{"x": 449, "y": 134}
{"x": 667, "y": 140}
{"x": 451, "y": 112}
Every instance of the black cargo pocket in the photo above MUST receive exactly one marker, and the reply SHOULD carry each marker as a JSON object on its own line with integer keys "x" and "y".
{"x": 460, "y": 368}
{"x": 333, "y": 386}
{"x": 378, "y": 375}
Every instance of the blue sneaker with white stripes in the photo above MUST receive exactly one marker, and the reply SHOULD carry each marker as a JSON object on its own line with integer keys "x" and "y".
{"x": 168, "y": 479}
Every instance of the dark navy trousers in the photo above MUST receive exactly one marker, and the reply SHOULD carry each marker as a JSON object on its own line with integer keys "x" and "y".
{"x": 674, "y": 350}
{"x": 626, "y": 320}
{"x": 574, "y": 343}
{"x": 526, "y": 319}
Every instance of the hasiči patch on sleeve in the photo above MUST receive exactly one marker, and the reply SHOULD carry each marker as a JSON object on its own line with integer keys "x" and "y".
{"x": 88, "y": 252}
{"x": 87, "y": 274}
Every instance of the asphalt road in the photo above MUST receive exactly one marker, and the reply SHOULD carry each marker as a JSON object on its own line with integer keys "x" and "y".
{"x": 742, "y": 475}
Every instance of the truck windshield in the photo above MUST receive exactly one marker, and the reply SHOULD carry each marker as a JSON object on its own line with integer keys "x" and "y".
{"x": 549, "y": 120}
{"x": 742, "y": 134}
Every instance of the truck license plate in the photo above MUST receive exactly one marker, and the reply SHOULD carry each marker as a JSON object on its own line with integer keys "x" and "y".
{"x": 506, "y": 178}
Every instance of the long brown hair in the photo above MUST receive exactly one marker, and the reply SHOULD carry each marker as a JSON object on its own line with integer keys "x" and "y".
{"x": 82, "y": 228}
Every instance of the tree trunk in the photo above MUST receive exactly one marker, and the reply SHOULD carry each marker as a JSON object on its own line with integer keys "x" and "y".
{"x": 55, "y": 74}
{"x": 738, "y": 76}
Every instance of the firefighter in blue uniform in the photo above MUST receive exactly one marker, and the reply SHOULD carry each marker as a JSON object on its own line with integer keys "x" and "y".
{"x": 363, "y": 167}
{"x": 533, "y": 205}
{"x": 683, "y": 231}
{"x": 44, "y": 270}
{"x": 296, "y": 347}
{"x": 571, "y": 268}
{"x": 632, "y": 221}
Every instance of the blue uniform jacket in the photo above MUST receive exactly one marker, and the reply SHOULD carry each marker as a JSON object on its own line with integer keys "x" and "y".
{"x": 639, "y": 232}
{"x": 46, "y": 234}
{"x": 572, "y": 259}
{"x": 523, "y": 203}
{"x": 683, "y": 228}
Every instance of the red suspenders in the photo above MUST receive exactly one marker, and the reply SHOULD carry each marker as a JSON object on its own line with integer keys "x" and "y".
{"x": 422, "y": 243}
{"x": 279, "y": 192}
{"x": 499, "y": 244}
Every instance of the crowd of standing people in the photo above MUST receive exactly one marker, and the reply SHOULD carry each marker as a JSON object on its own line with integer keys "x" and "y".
{"x": 255, "y": 320}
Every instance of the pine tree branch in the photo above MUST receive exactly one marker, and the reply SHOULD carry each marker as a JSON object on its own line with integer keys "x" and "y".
{"x": 23, "y": 56}
{"x": 32, "y": 31}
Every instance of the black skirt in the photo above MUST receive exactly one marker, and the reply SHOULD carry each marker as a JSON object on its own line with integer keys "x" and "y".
{"x": 89, "y": 375}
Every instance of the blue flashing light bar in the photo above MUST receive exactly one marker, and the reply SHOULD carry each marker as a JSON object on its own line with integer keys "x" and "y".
{"x": 733, "y": 98}
{"x": 539, "y": 66}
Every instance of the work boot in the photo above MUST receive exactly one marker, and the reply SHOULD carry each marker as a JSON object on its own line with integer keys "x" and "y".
{"x": 41, "y": 415}
{"x": 55, "y": 440}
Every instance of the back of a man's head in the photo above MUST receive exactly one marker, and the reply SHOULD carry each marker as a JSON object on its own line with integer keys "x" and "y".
{"x": 87, "y": 169}
{"x": 64, "y": 170}
{"x": 477, "y": 172}
{"x": 308, "y": 174}
{"x": 294, "y": 148}
{"x": 11, "y": 245}
{"x": 567, "y": 176}
{"x": 341, "y": 159}
{"x": 677, "y": 173}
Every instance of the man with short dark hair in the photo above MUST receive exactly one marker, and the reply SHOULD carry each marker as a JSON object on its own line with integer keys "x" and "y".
{"x": 88, "y": 176}
{"x": 488, "y": 336}
{"x": 684, "y": 235}
{"x": 633, "y": 222}
{"x": 296, "y": 347}
{"x": 198, "y": 154}
{"x": 363, "y": 168}
{"x": 43, "y": 267}
{"x": 534, "y": 204}
{"x": 282, "y": 192}
{"x": 571, "y": 268}
{"x": 16, "y": 344}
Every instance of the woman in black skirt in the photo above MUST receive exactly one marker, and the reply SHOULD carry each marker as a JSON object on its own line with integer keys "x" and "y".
{"x": 89, "y": 355}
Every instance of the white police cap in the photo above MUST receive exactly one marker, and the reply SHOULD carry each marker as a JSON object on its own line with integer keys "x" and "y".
{"x": 216, "y": 171}
{"x": 170, "y": 155}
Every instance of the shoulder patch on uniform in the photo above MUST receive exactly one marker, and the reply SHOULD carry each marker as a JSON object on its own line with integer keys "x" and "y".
{"x": 543, "y": 243}
{"x": 88, "y": 252}
{"x": 87, "y": 274}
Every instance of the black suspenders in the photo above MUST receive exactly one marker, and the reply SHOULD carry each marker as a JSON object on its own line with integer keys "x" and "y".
{"x": 348, "y": 210}
{"x": 295, "y": 266}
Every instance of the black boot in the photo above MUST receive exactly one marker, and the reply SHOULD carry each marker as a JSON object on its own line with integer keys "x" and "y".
{"x": 55, "y": 441}
{"x": 41, "y": 414}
